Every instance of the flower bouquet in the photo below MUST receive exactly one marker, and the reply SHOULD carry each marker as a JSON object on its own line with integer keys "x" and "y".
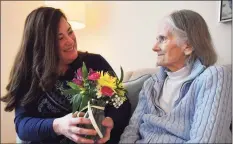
{"x": 90, "y": 92}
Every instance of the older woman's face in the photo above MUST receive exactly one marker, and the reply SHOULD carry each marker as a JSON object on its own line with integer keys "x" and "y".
{"x": 67, "y": 43}
{"x": 170, "y": 55}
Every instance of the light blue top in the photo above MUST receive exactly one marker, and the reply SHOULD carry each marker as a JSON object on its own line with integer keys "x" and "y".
{"x": 201, "y": 114}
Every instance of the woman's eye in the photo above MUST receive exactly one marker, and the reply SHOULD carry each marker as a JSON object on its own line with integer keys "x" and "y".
{"x": 60, "y": 38}
{"x": 161, "y": 39}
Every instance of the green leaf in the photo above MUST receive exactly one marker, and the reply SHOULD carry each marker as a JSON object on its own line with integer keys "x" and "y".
{"x": 84, "y": 71}
{"x": 73, "y": 86}
{"x": 76, "y": 102}
{"x": 70, "y": 92}
{"x": 85, "y": 100}
{"x": 122, "y": 76}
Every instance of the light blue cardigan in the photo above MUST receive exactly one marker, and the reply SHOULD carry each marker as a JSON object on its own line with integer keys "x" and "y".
{"x": 202, "y": 113}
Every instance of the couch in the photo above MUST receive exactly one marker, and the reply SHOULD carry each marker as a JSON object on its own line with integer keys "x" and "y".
{"x": 133, "y": 82}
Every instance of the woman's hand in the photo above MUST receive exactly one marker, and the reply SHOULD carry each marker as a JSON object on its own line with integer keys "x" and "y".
{"x": 108, "y": 123}
{"x": 67, "y": 126}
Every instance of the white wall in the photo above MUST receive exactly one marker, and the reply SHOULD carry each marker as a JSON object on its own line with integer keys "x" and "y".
{"x": 123, "y": 32}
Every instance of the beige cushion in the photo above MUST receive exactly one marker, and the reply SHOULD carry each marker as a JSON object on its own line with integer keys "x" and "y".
{"x": 133, "y": 88}
{"x": 131, "y": 75}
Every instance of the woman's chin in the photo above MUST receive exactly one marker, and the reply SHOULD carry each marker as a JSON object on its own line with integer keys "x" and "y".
{"x": 71, "y": 58}
{"x": 74, "y": 56}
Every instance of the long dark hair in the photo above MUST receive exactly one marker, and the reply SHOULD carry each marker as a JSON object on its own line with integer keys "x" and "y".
{"x": 36, "y": 63}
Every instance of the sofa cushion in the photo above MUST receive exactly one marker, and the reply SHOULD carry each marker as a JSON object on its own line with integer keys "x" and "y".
{"x": 132, "y": 75}
{"x": 134, "y": 87}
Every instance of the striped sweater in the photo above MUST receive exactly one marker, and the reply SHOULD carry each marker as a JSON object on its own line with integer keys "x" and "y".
{"x": 201, "y": 114}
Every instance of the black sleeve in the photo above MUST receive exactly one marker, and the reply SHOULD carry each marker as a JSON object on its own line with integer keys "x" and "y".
{"x": 93, "y": 61}
{"x": 105, "y": 66}
{"x": 120, "y": 116}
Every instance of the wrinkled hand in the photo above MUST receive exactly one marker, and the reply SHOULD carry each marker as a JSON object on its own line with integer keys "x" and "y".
{"x": 67, "y": 126}
{"x": 108, "y": 123}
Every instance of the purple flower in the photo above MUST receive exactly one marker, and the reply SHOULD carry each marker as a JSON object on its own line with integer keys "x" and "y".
{"x": 79, "y": 75}
{"x": 78, "y": 79}
{"x": 78, "y": 82}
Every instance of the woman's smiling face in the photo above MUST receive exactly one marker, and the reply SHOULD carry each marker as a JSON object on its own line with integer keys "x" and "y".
{"x": 67, "y": 43}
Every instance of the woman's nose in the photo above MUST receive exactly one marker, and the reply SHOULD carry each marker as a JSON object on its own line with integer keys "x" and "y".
{"x": 69, "y": 40}
{"x": 156, "y": 47}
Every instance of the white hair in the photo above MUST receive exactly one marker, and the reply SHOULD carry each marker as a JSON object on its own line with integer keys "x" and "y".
{"x": 181, "y": 36}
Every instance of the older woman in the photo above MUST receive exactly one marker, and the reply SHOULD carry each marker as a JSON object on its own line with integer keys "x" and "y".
{"x": 188, "y": 100}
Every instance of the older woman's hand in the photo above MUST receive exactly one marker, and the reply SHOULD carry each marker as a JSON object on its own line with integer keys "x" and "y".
{"x": 108, "y": 123}
{"x": 67, "y": 126}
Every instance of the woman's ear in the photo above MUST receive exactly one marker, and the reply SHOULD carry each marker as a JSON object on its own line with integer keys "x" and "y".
{"x": 188, "y": 49}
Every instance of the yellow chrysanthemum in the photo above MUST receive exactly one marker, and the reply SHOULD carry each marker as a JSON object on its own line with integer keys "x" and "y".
{"x": 107, "y": 80}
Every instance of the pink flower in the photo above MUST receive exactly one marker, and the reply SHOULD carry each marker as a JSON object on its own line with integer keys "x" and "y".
{"x": 107, "y": 91}
{"x": 94, "y": 76}
{"x": 77, "y": 81}
{"x": 79, "y": 75}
